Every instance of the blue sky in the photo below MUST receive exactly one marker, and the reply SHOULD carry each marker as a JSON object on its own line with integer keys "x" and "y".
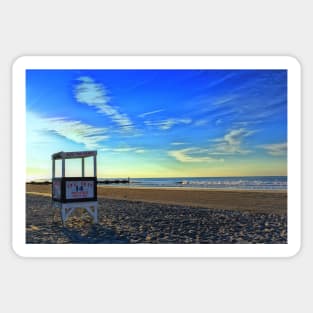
{"x": 159, "y": 123}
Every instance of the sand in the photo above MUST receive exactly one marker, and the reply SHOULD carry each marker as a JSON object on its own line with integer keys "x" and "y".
{"x": 143, "y": 215}
{"x": 244, "y": 200}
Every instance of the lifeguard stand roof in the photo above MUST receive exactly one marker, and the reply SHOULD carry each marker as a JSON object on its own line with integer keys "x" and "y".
{"x": 73, "y": 155}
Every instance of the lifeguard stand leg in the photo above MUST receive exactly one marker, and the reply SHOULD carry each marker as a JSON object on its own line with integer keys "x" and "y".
{"x": 93, "y": 211}
{"x": 66, "y": 209}
{"x": 66, "y": 212}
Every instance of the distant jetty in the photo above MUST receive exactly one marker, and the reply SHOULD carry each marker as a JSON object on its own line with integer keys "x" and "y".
{"x": 45, "y": 182}
{"x": 99, "y": 182}
{"x": 113, "y": 181}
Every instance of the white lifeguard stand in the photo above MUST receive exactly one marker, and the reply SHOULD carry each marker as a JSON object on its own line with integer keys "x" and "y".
{"x": 70, "y": 193}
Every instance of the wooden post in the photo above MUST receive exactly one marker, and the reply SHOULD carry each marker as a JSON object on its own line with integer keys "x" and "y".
{"x": 94, "y": 166}
{"x": 63, "y": 167}
{"x": 83, "y": 167}
{"x": 53, "y": 168}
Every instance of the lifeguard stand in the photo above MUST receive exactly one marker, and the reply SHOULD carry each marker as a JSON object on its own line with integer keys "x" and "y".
{"x": 70, "y": 193}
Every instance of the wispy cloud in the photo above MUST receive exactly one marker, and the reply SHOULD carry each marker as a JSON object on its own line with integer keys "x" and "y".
{"x": 246, "y": 123}
{"x": 77, "y": 131}
{"x": 231, "y": 142}
{"x": 201, "y": 122}
{"x": 225, "y": 100}
{"x": 221, "y": 80}
{"x": 252, "y": 97}
{"x": 192, "y": 155}
{"x": 150, "y": 113}
{"x": 177, "y": 143}
{"x": 125, "y": 149}
{"x": 169, "y": 123}
{"x": 235, "y": 136}
{"x": 96, "y": 95}
{"x": 42, "y": 130}
{"x": 276, "y": 149}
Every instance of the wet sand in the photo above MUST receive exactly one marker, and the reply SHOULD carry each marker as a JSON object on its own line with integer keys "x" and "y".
{"x": 143, "y": 215}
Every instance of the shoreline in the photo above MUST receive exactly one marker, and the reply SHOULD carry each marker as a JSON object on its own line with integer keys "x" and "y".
{"x": 194, "y": 188}
{"x": 42, "y": 185}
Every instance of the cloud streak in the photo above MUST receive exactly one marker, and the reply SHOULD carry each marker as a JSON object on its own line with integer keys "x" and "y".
{"x": 177, "y": 143}
{"x": 169, "y": 123}
{"x": 150, "y": 113}
{"x": 77, "y": 131}
{"x": 96, "y": 95}
{"x": 125, "y": 149}
{"x": 276, "y": 149}
{"x": 201, "y": 122}
{"x": 231, "y": 142}
{"x": 221, "y": 80}
{"x": 225, "y": 100}
{"x": 192, "y": 155}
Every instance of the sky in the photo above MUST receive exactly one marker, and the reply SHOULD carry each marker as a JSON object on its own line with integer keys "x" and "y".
{"x": 159, "y": 123}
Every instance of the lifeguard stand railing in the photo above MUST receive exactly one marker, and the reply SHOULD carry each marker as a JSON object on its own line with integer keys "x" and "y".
{"x": 70, "y": 193}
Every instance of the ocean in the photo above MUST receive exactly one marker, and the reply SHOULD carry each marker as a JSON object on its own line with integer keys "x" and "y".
{"x": 236, "y": 183}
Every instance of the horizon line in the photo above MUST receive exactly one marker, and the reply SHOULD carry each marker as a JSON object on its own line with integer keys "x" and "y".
{"x": 124, "y": 177}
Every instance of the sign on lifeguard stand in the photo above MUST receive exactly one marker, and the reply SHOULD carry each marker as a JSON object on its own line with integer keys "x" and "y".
{"x": 70, "y": 193}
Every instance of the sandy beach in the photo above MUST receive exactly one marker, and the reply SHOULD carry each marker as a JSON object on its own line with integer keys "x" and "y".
{"x": 171, "y": 215}
{"x": 243, "y": 200}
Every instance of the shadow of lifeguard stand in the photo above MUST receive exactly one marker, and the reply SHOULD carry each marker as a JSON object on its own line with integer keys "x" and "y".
{"x": 70, "y": 193}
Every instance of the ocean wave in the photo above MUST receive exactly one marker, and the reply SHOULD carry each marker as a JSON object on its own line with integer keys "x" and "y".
{"x": 261, "y": 182}
{"x": 246, "y": 184}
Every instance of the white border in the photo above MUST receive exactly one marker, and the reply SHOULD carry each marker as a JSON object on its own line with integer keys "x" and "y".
{"x": 158, "y": 250}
